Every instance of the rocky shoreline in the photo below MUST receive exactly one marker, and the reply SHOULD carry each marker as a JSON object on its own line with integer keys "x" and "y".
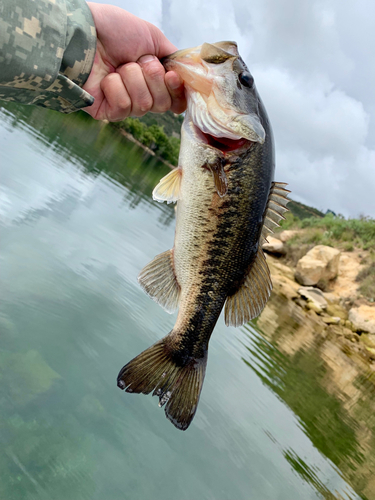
{"x": 339, "y": 312}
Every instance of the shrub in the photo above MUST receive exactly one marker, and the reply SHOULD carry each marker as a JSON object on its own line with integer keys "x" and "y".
{"x": 153, "y": 137}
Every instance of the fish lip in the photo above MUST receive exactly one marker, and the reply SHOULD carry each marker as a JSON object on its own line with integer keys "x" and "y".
{"x": 164, "y": 61}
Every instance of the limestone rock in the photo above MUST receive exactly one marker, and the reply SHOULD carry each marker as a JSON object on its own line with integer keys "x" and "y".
{"x": 331, "y": 320}
{"x": 335, "y": 310}
{"x": 321, "y": 262}
{"x": 276, "y": 267}
{"x": 368, "y": 339}
{"x": 274, "y": 245}
{"x": 282, "y": 278}
{"x": 363, "y": 318}
{"x": 284, "y": 286}
{"x": 315, "y": 298}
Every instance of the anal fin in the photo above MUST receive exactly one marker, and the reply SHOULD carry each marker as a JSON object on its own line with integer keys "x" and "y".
{"x": 168, "y": 188}
{"x": 249, "y": 300}
{"x": 159, "y": 281}
{"x": 276, "y": 207}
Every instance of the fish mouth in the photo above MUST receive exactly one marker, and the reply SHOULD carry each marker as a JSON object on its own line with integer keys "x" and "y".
{"x": 220, "y": 125}
{"x": 223, "y": 144}
{"x": 227, "y": 145}
{"x": 189, "y": 65}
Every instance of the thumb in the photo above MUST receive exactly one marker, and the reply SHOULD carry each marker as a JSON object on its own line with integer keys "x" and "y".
{"x": 163, "y": 47}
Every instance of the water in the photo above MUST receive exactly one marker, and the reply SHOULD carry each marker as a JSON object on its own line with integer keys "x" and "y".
{"x": 77, "y": 225}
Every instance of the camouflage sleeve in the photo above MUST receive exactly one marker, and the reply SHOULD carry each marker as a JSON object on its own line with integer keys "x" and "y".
{"x": 47, "y": 49}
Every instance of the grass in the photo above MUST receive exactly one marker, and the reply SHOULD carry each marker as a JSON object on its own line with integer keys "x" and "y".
{"x": 302, "y": 211}
{"x": 335, "y": 231}
{"x": 367, "y": 277}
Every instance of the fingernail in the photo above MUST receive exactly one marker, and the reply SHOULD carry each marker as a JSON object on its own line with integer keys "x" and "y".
{"x": 146, "y": 59}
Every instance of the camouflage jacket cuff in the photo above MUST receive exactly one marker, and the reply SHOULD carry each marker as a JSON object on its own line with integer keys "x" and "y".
{"x": 47, "y": 50}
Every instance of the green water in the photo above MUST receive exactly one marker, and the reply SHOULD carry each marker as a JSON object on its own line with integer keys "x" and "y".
{"x": 77, "y": 225}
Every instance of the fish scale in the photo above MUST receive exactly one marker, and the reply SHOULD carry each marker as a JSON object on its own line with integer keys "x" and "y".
{"x": 227, "y": 203}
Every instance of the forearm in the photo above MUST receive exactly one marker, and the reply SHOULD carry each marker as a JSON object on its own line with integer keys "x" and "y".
{"x": 47, "y": 51}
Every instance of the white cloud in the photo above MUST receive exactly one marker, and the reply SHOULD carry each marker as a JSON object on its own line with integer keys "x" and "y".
{"x": 314, "y": 67}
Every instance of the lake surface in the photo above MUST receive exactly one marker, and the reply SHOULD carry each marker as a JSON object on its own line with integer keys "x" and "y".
{"x": 78, "y": 223}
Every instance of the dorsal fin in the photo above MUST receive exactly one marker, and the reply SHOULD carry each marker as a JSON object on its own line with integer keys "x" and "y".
{"x": 249, "y": 300}
{"x": 159, "y": 281}
{"x": 168, "y": 188}
{"x": 275, "y": 209}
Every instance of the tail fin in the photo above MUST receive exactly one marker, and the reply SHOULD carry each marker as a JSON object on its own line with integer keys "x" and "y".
{"x": 177, "y": 383}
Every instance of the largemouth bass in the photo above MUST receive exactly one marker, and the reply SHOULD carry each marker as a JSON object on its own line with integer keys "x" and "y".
{"x": 227, "y": 203}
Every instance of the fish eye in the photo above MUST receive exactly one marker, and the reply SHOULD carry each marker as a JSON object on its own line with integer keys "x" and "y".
{"x": 246, "y": 79}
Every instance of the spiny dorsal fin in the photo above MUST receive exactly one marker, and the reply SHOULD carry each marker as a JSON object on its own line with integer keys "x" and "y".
{"x": 158, "y": 280}
{"x": 276, "y": 207}
{"x": 249, "y": 300}
{"x": 168, "y": 188}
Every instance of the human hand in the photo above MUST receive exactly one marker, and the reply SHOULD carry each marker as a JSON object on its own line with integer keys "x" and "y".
{"x": 127, "y": 79}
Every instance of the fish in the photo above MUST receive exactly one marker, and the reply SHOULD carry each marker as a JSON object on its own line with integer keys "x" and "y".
{"x": 227, "y": 204}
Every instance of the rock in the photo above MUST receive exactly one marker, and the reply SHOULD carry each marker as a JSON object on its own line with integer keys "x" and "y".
{"x": 277, "y": 268}
{"x": 363, "y": 318}
{"x": 368, "y": 339}
{"x": 274, "y": 246}
{"x": 314, "y": 307}
{"x": 331, "y": 320}
{"x": 349, "y": 325}
{"x": 345, "y": 285}
{"x": 335, "y": 310}
{"x": 315, "y": 298}
{"x": 285, "y": 287}
{"x": 287, "y": 235}
{"x": 320, "y": 263}
{"x": 282, "y": 278}
{"x": 331, "y": 298}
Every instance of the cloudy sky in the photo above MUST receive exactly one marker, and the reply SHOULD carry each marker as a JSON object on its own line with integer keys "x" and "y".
{"x": 314, "y": 67}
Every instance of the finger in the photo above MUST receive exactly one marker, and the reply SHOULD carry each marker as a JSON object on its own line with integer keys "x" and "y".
{"x": 135, "y": 83}
{"x": 154, "y": 74}
{"x": 117, "y": 103}
{"x": 163, "y": 47}
{"x": 177, "y": 92}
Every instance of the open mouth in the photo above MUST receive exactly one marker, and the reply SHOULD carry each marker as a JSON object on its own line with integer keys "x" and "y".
{"x": 223, "y": 144}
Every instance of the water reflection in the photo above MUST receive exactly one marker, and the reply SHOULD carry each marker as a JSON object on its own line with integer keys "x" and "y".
{"x": 94, "y": 148}
{"x": 332, "y": 397}
{"x": 77, "y": 225}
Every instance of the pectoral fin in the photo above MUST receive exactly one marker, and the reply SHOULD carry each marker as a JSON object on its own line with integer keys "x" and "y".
{"x": 168, "y": 188}
{"x": 159, "y": 281}
{"x": 276, "y": 207}
{"x": 249, "y": 300}
{"x": 218, "y": 173}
